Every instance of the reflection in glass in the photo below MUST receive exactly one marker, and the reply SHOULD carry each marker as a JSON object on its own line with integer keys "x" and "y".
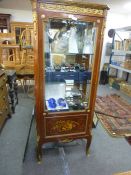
{"x": 68, "y": 54}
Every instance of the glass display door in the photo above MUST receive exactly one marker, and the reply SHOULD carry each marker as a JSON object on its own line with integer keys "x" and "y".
{"x": 69, "y": 49}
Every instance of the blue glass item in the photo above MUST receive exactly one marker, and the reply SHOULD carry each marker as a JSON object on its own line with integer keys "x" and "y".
{"x": 61, "y": 102}
{"x": 52, "y": 103}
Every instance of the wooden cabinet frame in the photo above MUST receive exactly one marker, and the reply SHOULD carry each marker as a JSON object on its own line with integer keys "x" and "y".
{"x": 49, "y": 124}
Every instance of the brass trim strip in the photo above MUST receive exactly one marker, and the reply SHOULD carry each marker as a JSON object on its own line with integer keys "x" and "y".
{"x": 72, "y": 9}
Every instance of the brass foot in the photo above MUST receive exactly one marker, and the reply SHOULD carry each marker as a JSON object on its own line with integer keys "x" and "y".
{"x": 39, "y": 154}
{"x": 88, "y": 152}
{"x": 39, "y": 159}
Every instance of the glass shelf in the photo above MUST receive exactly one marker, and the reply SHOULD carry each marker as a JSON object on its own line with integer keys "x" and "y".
{"x": 71, "y": 95}
{"x": 120, "y": 68}
{"x": 72, "y": 53}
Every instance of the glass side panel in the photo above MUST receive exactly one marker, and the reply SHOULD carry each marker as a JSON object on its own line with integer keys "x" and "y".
{"x": 68, "y": 58}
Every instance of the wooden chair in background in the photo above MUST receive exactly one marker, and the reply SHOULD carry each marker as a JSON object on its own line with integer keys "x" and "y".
{"x": 19, "y": 57}
{"x": 26, "y": 74}
{"x": 26, "y": 39}
{"x": 9, "y": 51}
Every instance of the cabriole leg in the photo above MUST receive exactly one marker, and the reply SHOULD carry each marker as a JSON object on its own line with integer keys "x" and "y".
{"x": 39, "y": 152}
{"x": 89, "y": 139}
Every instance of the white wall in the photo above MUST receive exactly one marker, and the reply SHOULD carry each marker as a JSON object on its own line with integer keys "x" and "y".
{"x": 18, "y": 15}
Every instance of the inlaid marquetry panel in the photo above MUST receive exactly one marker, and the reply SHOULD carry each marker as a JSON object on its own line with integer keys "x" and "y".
{"x": 65, "y": 125}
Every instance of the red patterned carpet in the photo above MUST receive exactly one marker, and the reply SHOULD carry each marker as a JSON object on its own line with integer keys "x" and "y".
{"x": 115, "y": 106}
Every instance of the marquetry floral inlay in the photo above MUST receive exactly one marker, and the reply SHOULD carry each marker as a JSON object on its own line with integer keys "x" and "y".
{"x": 61, "y": 125}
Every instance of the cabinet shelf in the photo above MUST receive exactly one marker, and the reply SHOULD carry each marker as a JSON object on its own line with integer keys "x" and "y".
{"x": 120, "y": 57}
{"x": 121, "y": 52}
{"x": 60, "y": 53}
{"x": 120, "y": 68}
{"x": 77, "y": 76}
{"x": 124, "y": 29}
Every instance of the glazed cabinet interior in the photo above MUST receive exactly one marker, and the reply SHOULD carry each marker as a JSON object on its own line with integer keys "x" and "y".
{"x": 68, "y": 45}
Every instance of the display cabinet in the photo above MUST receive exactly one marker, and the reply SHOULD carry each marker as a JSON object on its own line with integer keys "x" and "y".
{"x": 68, "y": 45}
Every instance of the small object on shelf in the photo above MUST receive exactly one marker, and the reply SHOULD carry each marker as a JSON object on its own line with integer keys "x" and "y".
{"x": 61, "y": 102}
{"x": 57, "y": 104}
{"x": 78, "y": 106}
{"x": 82, "y": 69}
{"x": 52, "y": 103}
{"x": 57, "y": 68}
{"x": 73, "y": 47}
{"x": 77, "y": 67}
{"x": 88, "y": 40}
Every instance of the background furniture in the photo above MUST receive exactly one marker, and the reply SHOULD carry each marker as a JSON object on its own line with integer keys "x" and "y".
{"x": 9, "y": 51}
{"x": 7, "y": 38}
{"x": 26, "y": 73}
{"x": 10, "y": 55}
{"x": 24, "y": 33}
{"x": 4, "y": 22}
{"x": 74, "y": 119}
{"x": 120, "y": 59}
{"x": 18, "y": 57}
{"x": 26, "y": 77}
{"x": 18, "y": 27}
{"x": 5, "y": 111}
{"x": 12, "y": 88}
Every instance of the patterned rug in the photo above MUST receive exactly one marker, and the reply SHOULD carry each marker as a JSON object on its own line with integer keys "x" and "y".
{"x": 114, "y": 105}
